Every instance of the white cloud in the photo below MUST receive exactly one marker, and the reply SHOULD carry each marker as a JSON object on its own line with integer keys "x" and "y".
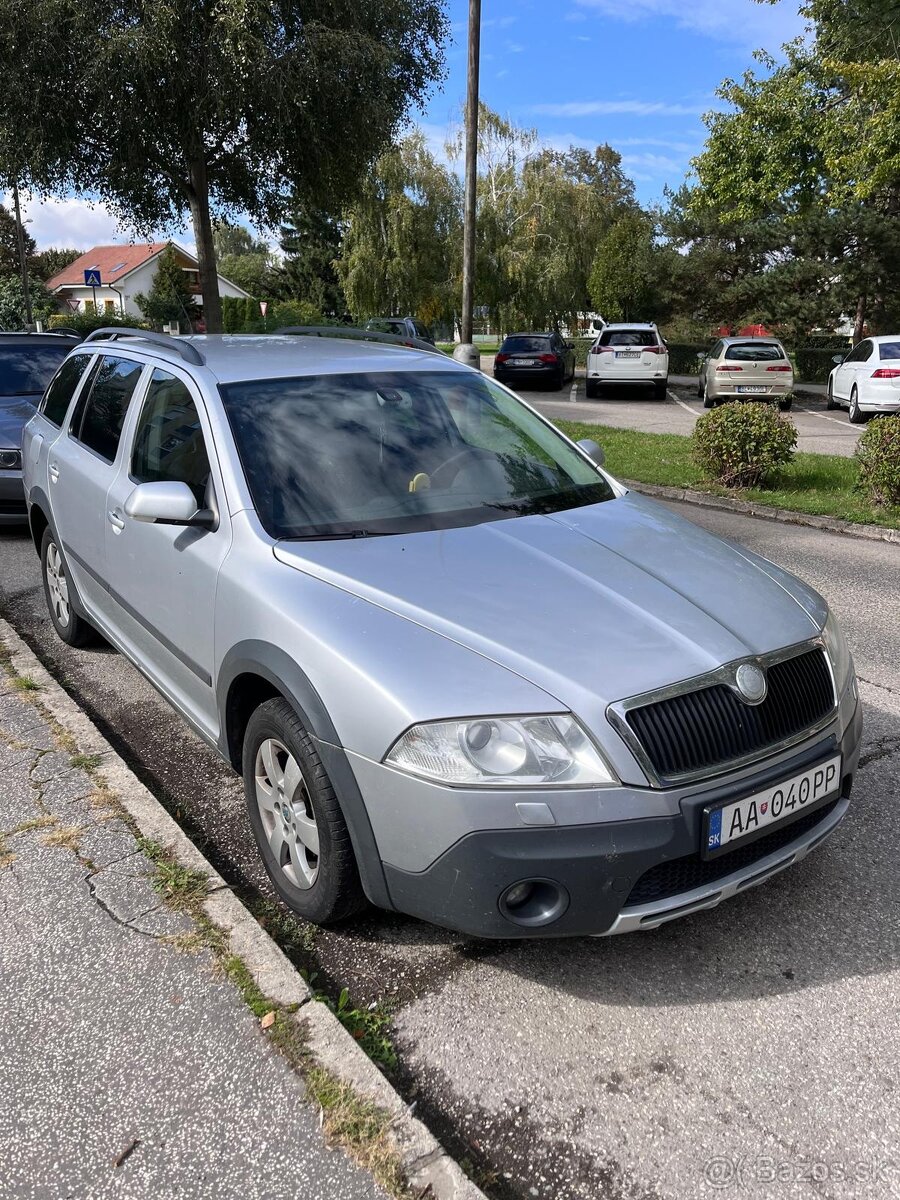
{"x": 608, "y": 108}
{"x": 68, "y": 222}
{"x": 514, "y": 47}
{"x": 742, "y": 22}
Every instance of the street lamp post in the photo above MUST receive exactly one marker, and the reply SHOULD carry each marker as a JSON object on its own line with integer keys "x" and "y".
{"x": 23, "y": 261}
{"x": 468, "y": 271}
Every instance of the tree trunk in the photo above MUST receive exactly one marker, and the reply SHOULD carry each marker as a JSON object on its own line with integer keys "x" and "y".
{"x": 859, "y": 324}
{"x": 206, "y": 253}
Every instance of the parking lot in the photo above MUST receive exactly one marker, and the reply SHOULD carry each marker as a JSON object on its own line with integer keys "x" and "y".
{"x": 667, "y": 1064}
{"x": 818, "y": 431}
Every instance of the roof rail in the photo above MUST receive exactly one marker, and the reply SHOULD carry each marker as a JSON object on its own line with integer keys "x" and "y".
{"x": 357, "y": 335}
{"x": 66, "y": 332}
{"x": 111, "y": 333}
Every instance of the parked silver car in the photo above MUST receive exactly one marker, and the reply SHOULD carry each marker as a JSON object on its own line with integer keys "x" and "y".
{"x": 746, "y": 368}
{"x": 464, "y": 672}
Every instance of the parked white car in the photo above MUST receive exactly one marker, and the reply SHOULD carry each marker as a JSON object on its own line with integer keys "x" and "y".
{"x": 867, "y": 380}
{"x": 628, "y": 353}
{"x": 746, "y": 368}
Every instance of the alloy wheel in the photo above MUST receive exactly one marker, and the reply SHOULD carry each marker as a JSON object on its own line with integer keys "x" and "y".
{"x": 285, "y": 807}
{"x": 58, "y": 585}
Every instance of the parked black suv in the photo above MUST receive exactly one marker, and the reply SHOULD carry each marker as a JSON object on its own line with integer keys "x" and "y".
{"x": 531, "y": 359}
{"x": 28, "y": 361}
{"x": 401, "y": 327}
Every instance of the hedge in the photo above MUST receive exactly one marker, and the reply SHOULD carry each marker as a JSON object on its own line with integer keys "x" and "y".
{"x": 814, "y": 364}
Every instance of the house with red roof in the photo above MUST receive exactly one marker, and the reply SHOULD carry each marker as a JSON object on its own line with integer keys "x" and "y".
{"x": 125, "y": 272}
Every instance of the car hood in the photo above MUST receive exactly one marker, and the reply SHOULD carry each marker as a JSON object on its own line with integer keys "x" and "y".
{"x": 15, "y": 413}
{"x": 612, "y": 600}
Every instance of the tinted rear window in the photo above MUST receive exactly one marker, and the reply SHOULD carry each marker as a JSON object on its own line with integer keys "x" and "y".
{"x": 104, "y": 413}
{"x": 26, "y": 370}
{"x": 628, "y": 337}
{"x": 890, "y": 350}
{"x": 62, "y": 388}
{"x": 755, "y": 352}
{"x": 526, "y": 345}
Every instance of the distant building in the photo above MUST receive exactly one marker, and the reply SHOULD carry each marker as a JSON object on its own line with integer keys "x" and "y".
{"x": 125, "y": 272}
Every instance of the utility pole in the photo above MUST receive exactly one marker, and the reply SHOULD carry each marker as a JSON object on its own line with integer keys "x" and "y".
{"x": 23, "y": 262}
{"x": 468, "y": 271}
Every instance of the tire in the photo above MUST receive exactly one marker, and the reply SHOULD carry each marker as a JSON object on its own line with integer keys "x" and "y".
{"x": 786, "y": 405}
{"x": 591, "y": 389}
{"x": 302, "y": 836}
{"x": 856, "y": 415}
{"x": 559, "y": 382}
{"x": 660, "y": 388}
{"x": 700, "y": 387}
{"x": 830, "y": 403}
{"x": 60, "y": 595}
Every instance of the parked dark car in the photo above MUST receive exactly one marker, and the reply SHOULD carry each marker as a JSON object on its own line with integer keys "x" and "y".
{"x": 28, "y": 361}
{"x": 401, "y": 327}
{"x": 534, "y": 359}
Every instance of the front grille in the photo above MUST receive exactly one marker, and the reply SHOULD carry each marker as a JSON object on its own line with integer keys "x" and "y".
{"x": 680, "y": 875}
{"x": 697, "y": 731}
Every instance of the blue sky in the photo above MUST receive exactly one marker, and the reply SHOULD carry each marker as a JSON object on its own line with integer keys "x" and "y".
{"x": 638, "y": 74}
{"x": 635, "y": 73}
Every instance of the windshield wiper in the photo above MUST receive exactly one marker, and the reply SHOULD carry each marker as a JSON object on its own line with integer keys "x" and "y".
{"x": 342, "y": 535}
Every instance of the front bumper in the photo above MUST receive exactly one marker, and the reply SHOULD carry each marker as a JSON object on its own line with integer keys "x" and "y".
{"x": 12, "y": 499}
{"x": 621, "y": 875}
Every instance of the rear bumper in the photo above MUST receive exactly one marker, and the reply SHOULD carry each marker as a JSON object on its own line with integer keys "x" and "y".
{"x": 637, "y": 376}
{"x": 524, "y": 375}
{"x": 620, "y": 876}
{"x": 13, "y": 510}
{"x": 721, "y": 390}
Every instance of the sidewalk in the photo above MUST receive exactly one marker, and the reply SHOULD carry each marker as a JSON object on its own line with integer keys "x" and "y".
{"x": 131, "y": 1065}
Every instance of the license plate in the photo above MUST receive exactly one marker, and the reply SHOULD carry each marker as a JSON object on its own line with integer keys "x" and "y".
{"x": 728, "y": 825}
{"x": 755, "y": 391}
{"x": 627, "y": 354}
{"x": 522, "y": 362}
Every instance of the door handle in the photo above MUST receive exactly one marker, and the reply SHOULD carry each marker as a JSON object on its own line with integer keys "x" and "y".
{"x": 53, "y": 470}
{"x": 116, "y": 519}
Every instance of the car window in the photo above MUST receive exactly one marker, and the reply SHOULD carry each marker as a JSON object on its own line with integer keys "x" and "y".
{"x": 865, "y": 352}
{"x": 422, "y": 331}
{"x": 63, "y": 386}
{"x": 754, "y": 352}
{"x": 100, "y": 413}
{"x": 889, "y": 350}
{"x": 525, "y": 345}
{"x": 25, "y": 370}
{"x": 388, "y": 453}
{"x": 168, "y": 440}
{"x": 628, "y": 337}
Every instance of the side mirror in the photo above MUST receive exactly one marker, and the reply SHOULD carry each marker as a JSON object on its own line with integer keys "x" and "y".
{"x": 167, "y": 503}
{"x": 838, "y": 358}
{"x": 594, "y": 452}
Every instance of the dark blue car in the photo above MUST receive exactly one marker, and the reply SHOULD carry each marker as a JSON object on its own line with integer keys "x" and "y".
{"x": 28, "y": 361}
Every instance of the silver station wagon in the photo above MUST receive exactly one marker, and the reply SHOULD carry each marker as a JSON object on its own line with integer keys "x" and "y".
{"x": 466, "y": 674}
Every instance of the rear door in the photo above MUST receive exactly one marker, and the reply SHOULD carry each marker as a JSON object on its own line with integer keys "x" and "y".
{"x": 163, "y": 578}
{"x": 82, "y": 464}
{"x": 628, "y": 352}
{"x": 763, "y": 365}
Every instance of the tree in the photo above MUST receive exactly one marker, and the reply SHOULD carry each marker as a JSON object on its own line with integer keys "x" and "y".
{"x": 235, "y": 240}
{"x": 312, "y": 243}
{"x": 12, "y": 302}
{"x": 403, "y": 237}
{"x": 170, "y": 297}
{"x": 9, "y": 245}
{"x": 631, "y": 279}
{"x": 50, "y": 262}
{"x": 219, "y": 106}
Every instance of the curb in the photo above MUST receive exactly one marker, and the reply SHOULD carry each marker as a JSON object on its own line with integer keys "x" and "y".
{"x": 785, "y": 516}
{"x": 430, "y": 1170}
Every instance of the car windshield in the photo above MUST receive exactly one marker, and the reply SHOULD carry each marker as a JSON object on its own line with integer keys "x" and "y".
{"x": 26, "y": 370}
{"x": 755, "y": 352}
{"x": 889, "y": 350}
{"x": 526, "y": 345}
{"x": 628, "y": 337}
{"x": 366, "y": 454}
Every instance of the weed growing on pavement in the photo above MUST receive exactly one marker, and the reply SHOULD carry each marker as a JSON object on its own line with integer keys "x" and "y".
{"x": 6, "y": 855}
{"x": 296, "y": 938}
{"x": 66, "y": 836}
{"x": 22, "y": 683}
{"x": 41, "y": 822}
{"x": 369, "y": 1026}
{"x": 181, "y": 887}
{"x": 86, "y": 762}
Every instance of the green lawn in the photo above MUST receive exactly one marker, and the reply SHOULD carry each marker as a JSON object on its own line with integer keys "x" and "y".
{"x": 821, "y": 484}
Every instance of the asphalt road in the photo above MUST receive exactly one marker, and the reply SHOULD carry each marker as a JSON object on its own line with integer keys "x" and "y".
{"x": 755, "y": 1038}
{"x": 818, "y": 431}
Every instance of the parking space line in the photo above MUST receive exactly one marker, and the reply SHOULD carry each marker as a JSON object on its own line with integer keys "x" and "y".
{"x": 573, "y": 394}
{"x": 811, "y": 412}
{"x": 681, "y": 404}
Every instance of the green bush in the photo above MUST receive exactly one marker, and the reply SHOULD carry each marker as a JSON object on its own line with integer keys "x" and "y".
{"x": 294, "y": 312}
{"x": 740, "y": 445}
{"x": 582, "y": 345}
{"x": 878, "y": 451}
{"x": 684, "y": 357}
{"x": 814, "y": 363}
{"x": 86, "y": 322}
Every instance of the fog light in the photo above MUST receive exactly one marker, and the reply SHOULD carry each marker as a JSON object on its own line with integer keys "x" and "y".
{"x": 534, "y": 902}
{"x": 10, "y": 460}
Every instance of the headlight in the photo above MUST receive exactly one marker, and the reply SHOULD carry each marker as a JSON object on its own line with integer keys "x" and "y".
{"x": 838, "y": 652}
{"x": 516, "y": 751}
{"x": 10, "y": 460}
